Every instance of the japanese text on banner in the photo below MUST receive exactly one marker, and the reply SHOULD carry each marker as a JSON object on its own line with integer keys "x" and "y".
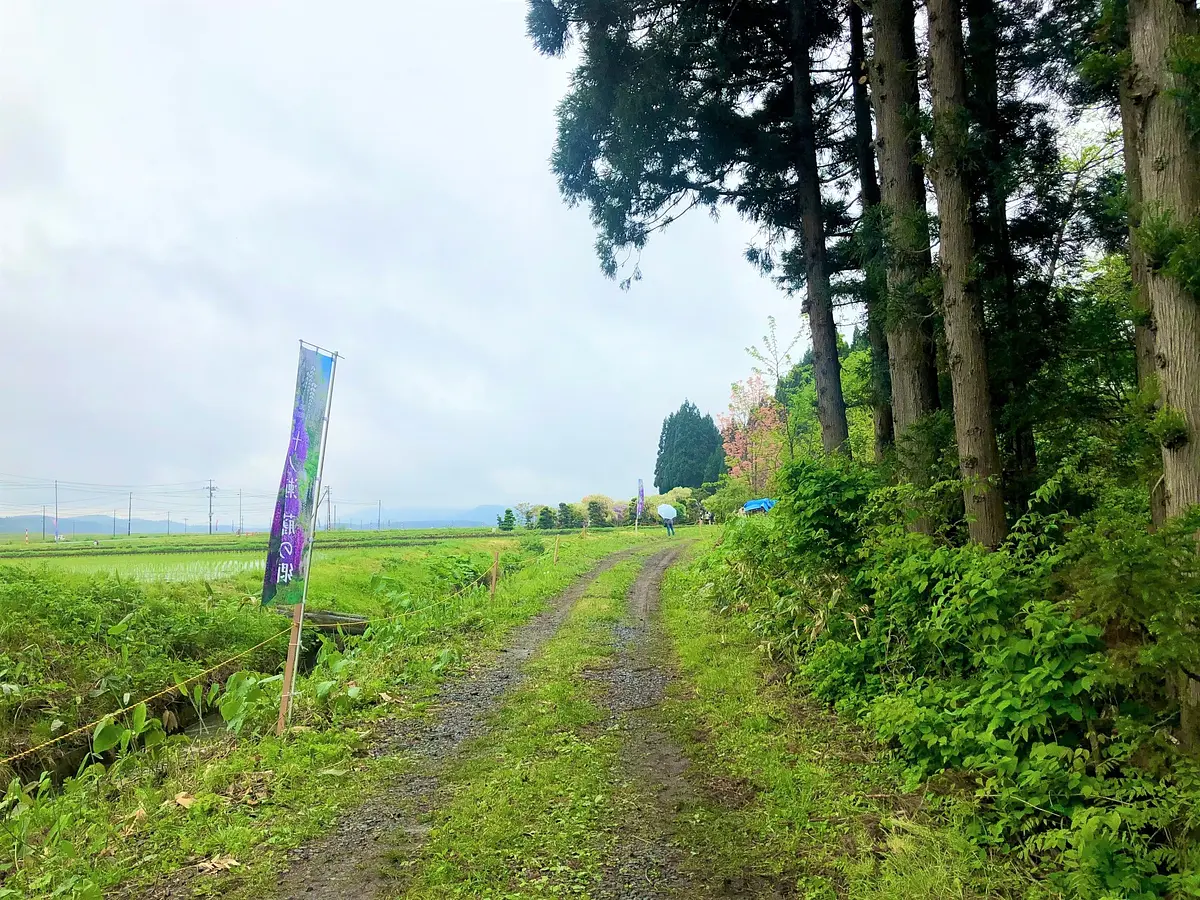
{"x": 283, "y": 582}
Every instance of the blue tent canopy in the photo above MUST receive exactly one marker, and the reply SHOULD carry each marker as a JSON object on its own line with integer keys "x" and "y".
{"x": 756, "y": 505}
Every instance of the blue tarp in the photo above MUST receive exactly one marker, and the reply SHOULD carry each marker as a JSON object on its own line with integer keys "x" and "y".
{"x": 756, "y": 505}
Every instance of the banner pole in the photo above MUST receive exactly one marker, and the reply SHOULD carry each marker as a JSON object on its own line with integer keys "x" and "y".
{"x": 293, "y": 657}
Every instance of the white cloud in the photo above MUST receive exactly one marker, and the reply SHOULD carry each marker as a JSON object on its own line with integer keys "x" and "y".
{"x": 189, "y": 188}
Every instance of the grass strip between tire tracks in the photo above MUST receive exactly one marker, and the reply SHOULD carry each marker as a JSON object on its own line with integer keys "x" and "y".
{"x": 531, "y": 811}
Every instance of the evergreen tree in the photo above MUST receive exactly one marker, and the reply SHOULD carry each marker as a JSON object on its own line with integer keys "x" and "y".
{"x": 546, "y": 519}
{"x": 687, "y": 448}
{"x": 979, "y": 458}
{"x": 896, "y": 99}
{"x": 1164, "y": 37}
{"x": 808, "y": 32}
{"x": 1162, "y": 33}
{"x": 657, "y": 121}
{"x": 508, "y": 521}
{"x": 869, "y": 244}
{"x": 569, "y": 516}
{"x": 597, "y": 515}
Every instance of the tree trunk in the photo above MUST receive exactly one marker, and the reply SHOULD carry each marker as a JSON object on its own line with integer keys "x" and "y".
{"x": 827, "y": 369}
{"x": 994, "y": 241}
{"x": 979, "y": 459}
{"x": 872, "y": 244}
{"x": 1170, "y": 184}
{"x": 1143, "y": 313}
{"x": 893, "y": 78}
{"x": 983, "y": 102}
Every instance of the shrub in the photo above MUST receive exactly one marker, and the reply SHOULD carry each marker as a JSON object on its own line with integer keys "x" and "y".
{"x": 1043, "y": 671}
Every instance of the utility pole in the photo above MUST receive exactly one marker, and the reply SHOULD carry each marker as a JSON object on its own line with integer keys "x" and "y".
{"x": 328, "y": 509}
{"x": 129, "y": 530}
{"x": 239, "y": 531}
{"x": 185, "y": 524}
{"x": 212, "y": 489}
{"x": 44, "y": 521}
{"x": 168, "y": 521}
{"x": 379, "y": 518}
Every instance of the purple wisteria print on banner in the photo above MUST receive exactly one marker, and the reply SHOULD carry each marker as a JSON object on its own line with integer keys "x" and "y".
{"x": 283, "y": 582}
{"x": 641, "y": 504}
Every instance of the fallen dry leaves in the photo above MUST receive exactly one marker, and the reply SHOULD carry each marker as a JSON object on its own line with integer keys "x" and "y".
{"x": 219, "y": 863}
{"x": 135, "y": 818}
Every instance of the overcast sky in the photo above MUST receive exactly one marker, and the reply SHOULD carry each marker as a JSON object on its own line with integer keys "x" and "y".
{"x": 187, "y": 189}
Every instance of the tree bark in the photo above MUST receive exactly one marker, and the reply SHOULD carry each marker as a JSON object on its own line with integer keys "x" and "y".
{"x": 827, "y": 369}
{"x": 881, "y": 383}
{"x": 894, "y": 94}
{"x": 1170, "y": 184}
{"x": 979, "y": 459}
{"x": 993, "y": 237}
{"x": 1143, "y": 325}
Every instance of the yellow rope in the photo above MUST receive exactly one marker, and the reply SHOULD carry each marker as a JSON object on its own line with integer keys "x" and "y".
{"x": 179, "y": 685}
{"x": 162, "y": 693}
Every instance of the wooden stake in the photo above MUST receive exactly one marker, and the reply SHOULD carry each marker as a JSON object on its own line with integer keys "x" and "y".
{"x": 556, "y": 549}
{"x": 289, "y": 672}
{"x": 495, "y": 571}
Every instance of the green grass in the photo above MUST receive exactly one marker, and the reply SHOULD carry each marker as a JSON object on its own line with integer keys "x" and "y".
{"x": 796, "y": 798}
{"x": 102, "y": 545}
{"x": 532, "y": 812}
{"x": 213, "y": 566}
{"x": 786, "y": 796}
{"x": 257, "y": 795}
{"x": 80, "y": 637}
{"x": 73, "y": 647}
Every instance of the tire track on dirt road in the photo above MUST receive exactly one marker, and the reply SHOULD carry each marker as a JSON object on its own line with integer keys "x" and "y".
{"x": 647, "y": 861}
{"x": 351, "y": 861}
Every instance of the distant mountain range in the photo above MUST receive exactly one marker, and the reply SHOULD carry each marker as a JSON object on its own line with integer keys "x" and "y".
{"x": 402, "y": 517}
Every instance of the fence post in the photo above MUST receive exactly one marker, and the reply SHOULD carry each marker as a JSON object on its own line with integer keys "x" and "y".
{"x": 495, "y": 571}
{"x": 556, "y": 549}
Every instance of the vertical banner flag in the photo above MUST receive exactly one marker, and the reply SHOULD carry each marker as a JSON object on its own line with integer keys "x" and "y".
{"x": 641, "y": 507}
{"x": 283, "y": 583}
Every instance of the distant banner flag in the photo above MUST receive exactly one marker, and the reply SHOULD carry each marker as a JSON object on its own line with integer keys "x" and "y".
{"x": 283, "y": 583}
{"x": 641, "y": 507}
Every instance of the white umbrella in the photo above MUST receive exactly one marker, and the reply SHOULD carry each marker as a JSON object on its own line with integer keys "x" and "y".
{"x": 667, "y": 511}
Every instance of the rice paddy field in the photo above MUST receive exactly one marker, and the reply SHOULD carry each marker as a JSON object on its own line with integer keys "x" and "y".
{"x": 86, "y": 633}
{"x": 202, "y": 566}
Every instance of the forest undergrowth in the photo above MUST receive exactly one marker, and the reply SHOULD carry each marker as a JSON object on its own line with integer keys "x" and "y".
{"x": 1041, "y": 679}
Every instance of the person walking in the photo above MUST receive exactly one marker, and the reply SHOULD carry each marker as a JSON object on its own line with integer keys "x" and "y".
{"x": 670, "y": 523}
